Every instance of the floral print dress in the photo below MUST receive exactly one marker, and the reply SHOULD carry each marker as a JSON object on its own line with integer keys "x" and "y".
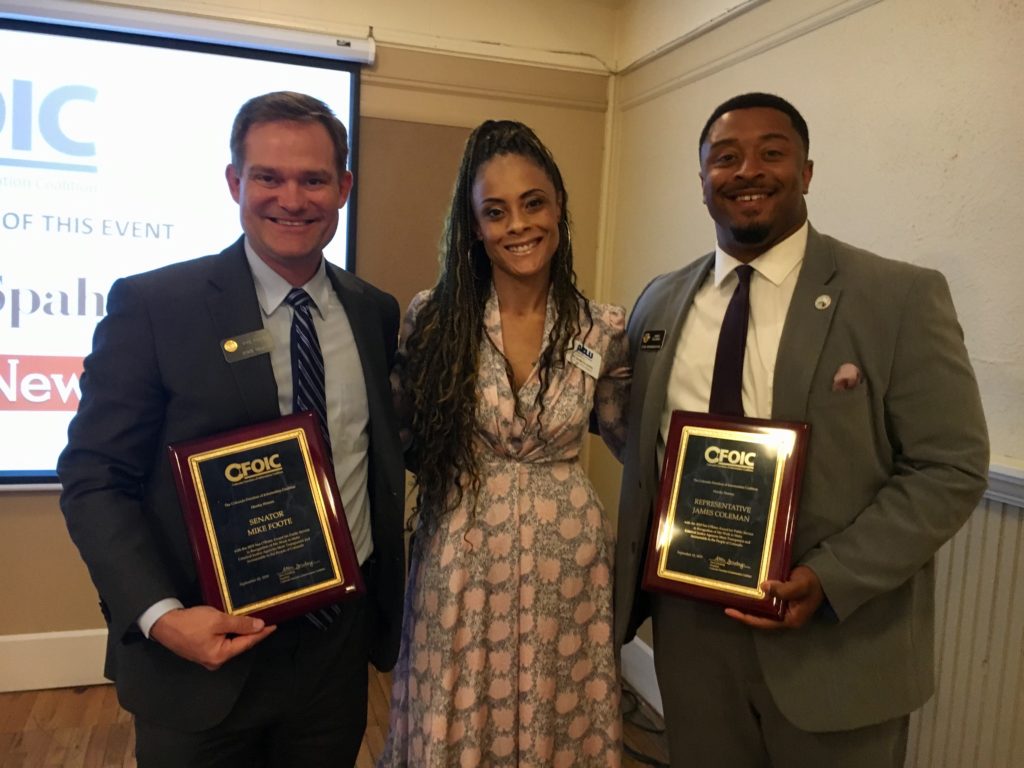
{"x": 507, "y": 654}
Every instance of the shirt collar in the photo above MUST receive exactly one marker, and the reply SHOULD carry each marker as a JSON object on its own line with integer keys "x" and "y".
{"x": 774, "y": 264}
{"x": 271, "y": 288}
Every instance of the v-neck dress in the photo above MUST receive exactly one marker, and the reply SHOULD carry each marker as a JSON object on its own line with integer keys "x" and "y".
{"x": 507, "y": 654}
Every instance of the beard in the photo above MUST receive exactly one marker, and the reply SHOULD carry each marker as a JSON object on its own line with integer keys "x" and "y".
{"x": 751, "y": 234}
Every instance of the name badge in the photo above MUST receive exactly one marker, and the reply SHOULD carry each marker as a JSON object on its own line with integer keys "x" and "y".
{"x": 585, "y": 358}
{"x": 247, "y": 345}
{"x": 652, "y": 340}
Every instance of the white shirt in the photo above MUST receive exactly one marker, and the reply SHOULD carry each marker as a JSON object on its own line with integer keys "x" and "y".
{"x": 771, "y": 290}
{"x": 348, "y": 413}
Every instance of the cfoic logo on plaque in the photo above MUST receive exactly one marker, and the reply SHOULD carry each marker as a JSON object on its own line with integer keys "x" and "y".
{"x": 726, "y": 509}
{"x": 265, "y": 519}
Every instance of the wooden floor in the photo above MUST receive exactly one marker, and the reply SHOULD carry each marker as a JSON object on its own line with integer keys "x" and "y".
{"x": 85, "y": 728}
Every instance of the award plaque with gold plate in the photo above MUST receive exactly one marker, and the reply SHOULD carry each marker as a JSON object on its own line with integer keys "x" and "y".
{"x": 726, "y": 510}
{"x": 265, "y": 520}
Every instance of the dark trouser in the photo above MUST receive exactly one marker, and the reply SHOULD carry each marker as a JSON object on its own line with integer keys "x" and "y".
{"x": 719, "y": 712}
{"x": 303, "y": 705}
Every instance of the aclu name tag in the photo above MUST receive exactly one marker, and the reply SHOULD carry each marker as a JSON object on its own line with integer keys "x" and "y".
{"x": 585, "y": 358}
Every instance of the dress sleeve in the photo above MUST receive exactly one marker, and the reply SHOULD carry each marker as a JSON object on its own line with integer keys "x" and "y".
{"x": 399, "y": 391}
{"x": 611, "y": 398}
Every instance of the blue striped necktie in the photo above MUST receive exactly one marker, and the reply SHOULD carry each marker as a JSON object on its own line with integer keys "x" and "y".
{"x": 309, "y": 393}
{"x": 308, "y": 390}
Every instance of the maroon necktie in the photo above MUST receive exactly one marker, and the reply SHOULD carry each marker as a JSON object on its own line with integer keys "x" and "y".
{"x": 727, "y": 383}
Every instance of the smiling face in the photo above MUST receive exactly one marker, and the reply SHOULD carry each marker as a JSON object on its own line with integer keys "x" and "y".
{"x": 517, "y": 211}
{"x": 289, "y": 194}
{"x": 755, "y": 173}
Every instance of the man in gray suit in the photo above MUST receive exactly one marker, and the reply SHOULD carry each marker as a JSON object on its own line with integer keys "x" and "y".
{"x": 866, "y": 350}
{"x": 208, "y": 688}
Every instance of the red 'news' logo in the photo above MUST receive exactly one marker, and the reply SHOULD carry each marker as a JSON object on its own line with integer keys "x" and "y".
{"x": 39, "y": 383}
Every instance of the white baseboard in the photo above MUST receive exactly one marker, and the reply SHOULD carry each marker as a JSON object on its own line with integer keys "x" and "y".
{"x": 52, "y": 660}
{"x": 638, "y": 671}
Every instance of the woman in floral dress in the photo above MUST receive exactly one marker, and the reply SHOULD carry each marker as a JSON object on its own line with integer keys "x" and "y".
{"x": 507, "y": 653}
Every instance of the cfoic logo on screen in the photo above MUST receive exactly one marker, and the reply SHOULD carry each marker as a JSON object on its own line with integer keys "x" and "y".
{"x": 47, "y": 127}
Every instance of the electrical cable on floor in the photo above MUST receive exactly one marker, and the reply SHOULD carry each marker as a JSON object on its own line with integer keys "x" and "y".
{"x": 631, "y": 712}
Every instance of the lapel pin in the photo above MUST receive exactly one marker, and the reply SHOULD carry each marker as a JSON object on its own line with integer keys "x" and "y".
{"x": 823, "y": 302}
{"x": 230, "y": 345}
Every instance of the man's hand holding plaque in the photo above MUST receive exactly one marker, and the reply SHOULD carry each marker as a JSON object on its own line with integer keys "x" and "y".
{"x": 725, "y": 516}
{"x": 207, "y": 636}
{"x": 801, "y": 595}
{"x": 265, "y": 519}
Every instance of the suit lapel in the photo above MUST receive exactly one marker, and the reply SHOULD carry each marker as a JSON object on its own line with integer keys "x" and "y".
{"x": 234, "y": 310}
{"x": 670, "y": 314}
{"x": 363, "y": 319}
{"x": 803, "y": 335}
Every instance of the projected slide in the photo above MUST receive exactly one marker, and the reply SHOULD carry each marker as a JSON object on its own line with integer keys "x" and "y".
{"x": 112, "y": 161}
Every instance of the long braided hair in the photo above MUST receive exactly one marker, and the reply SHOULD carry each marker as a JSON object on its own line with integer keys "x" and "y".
{"x": 443, "y": 347}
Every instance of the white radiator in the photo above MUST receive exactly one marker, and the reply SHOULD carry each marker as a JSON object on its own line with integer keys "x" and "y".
{"x": 976, "y": 718}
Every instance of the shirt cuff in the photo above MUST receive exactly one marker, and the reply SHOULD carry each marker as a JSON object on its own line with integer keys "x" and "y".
{"x": 150, "y": 615}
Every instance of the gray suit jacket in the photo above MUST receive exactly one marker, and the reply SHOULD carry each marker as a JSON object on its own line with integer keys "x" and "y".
{"x": 894, "y": 468}
{"x": 156, "y": 376}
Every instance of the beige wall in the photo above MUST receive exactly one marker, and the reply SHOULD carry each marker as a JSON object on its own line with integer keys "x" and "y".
{"x": 405, "y": 176}
{"x": 45, "y": 587}
{"x": 536, "y": 31}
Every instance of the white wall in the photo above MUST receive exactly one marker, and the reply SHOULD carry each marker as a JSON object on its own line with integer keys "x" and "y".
{"x": 645, "y": 27}
{"x": 915, "y": 109}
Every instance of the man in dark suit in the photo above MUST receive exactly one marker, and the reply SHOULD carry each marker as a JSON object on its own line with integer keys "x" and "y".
{"x": 208, "y": 688}
{"x": 868, "y": 351}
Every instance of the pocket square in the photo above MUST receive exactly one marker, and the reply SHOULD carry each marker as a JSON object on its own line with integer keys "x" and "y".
{"x": 847, "y": 376}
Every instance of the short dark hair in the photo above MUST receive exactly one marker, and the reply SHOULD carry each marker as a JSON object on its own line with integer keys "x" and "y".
{"x": 752, "y": 100}
{"x": 287, "y": 105}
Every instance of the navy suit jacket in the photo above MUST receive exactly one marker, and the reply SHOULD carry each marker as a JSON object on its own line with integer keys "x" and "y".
{"x": 156, "y": 376}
